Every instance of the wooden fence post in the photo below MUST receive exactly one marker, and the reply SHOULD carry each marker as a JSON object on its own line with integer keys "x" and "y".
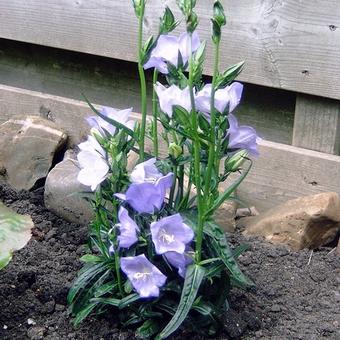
{"x": 317, "y": 124}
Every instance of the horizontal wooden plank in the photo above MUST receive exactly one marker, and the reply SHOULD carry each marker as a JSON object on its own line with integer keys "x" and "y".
{"x": 288, "y": 44}
{"x": 283, "y": 172}
{"x": 115, "y": 83}
{"x": 280, "y": 173}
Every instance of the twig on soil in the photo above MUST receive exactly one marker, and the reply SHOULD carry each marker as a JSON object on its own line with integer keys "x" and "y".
{"x": 330, "y": 252}
{"x": 310, "y": 257}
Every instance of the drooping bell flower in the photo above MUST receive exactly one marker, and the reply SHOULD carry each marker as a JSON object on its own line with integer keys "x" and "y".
{"x": 147, "y": 197}
{"x": 171, "y": 234}
{"x": 103, "y": 127}
{"x": 179, "y": 261}
{"x": 167, "y": 49}
{"x": 127, "y": 229}
{"x": 92, "y": 162}
{"x": 94, "y": 169}
{"x": 145, "y": 172}
{"x": 228, "y": 97}
{"x": 241, "y": 137}
{"x": 171, "y": 96}
{"x": 145, "y": 278}
{"x": 92, "y": 145}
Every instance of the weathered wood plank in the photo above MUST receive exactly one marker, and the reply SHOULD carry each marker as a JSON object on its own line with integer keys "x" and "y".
{"x": 288, "y": 44}
{"x": 317, "y": 124}
{"x": 115, "y": 83}
{"x": 281, "y": 172}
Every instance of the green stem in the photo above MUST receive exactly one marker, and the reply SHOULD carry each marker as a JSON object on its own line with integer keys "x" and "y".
{"x": 154, "y": 112}
{"x": 197, "y": 160}
{"x": 212, "y": 152}
{"x": 119, "y": 277}
{"x": 173, "y": 188}
{"x": 142, "y": 84}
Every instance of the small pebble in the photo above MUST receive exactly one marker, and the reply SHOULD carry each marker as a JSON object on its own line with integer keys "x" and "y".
{"x": 31, "y": 322}
{"x": 276, "y": 308}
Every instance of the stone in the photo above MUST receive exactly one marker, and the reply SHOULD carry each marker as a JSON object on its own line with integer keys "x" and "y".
{"x": 28, "y": 146}
{"x": 63, "y": 193}
{"x": 305, "y": 222}
{"x": 225, "y": 216}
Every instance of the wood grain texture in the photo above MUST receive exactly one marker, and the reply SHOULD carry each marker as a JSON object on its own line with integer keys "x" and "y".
{"x": 317, "y": 124}
{"x": 115, "y": 83}
{"x": 288, "y": 44}
{"x": 280, "y": 173}
{"x": 283, "y": 172}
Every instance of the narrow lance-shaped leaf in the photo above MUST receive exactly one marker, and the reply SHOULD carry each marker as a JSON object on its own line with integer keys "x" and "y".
{"x": 193, "y": 278}
{"x": 220, "y": 245}
{"x": 15, "y": 232}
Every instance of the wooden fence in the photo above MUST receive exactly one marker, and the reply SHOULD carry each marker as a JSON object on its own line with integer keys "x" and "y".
{"x": 286, "y": 44}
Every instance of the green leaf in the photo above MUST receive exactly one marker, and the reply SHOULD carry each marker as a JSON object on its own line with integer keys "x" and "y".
{"x": 193, "y": 278}
{"x": 226, "y": 194}
{"x": 84, "y": 313}
{"x": 182, "y": 116}
{"x": 148, "y": 329}
{"x": 240, "y": 249}
{"x": 84, "y": 278}
{"x": 118, "y": 125}
{"x": 128, "y": 300}
{"x": 167, "y": 22}
{"x": 15, "y": 232}
{"x": 106, "y": 301}
{"x": 220, "y": 244}
{"x": 88, "y": 258}
{"x": 229, "y": 75}
{"x": 105, "y": 288}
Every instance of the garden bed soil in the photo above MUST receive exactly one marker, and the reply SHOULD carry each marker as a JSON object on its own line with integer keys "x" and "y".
{"x": 297, "y": 296}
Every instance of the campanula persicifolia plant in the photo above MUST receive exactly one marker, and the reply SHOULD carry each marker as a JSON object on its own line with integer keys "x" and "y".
{"x": 158, "y": 260}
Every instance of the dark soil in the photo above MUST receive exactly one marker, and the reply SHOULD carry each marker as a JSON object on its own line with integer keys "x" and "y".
{"x": 295, "y": 298}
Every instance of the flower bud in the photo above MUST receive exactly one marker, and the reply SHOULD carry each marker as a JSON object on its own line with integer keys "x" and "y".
{"x": 175, "y": 150}
{"x": 219, "y": 15}
{"x": 168, "y": 22}
{"x": 138, "y": 6}
{"x": 234, "y": 162}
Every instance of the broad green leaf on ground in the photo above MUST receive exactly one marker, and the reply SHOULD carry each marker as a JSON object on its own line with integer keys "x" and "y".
{"x": 15, "y": 232}
{"x": 192, "y": 282}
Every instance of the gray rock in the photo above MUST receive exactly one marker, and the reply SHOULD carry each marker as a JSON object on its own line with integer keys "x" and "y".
{"x": 27, "y": 148}
{"x": 63, "y": 192}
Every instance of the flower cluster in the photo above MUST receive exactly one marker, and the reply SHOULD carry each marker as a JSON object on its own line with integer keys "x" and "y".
{"x": 156, "y": 249}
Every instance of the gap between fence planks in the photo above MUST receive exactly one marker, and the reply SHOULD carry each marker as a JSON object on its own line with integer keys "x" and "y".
{"x": 317, "y": 124}
{"x": 287, "y": 44}
{"x": 281, "y": 172}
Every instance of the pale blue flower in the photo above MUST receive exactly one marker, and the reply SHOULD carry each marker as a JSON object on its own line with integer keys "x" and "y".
{"x": 228, "y": 97}
{"x": 103, "y": 127}
{"x": 145, "y": 278}
{"x": 92, "y": 145}
{"x": 171, "y": 96}
{"x": 179, "y": 261}
{"x": 147, "y": 197}
{"x": 94, "y": 169}
{"x": 241, "y": 137}
{"x": 171, "y": 234}
{"x": 145, "y": 172}
{"x": 167, "y": 49}
{"x": 127, "y": 229}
